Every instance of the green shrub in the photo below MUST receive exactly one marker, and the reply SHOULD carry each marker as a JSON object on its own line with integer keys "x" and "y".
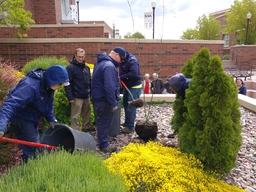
{"x": 44, "y": 63}
{"x": 225, "y": 57}
{"x": 187, "y": 69}
{"x": 62, "y": 171}
{"x": 211, "y": 130}
{"x": 153, "y": 167}
{"x": 62, "y": 109}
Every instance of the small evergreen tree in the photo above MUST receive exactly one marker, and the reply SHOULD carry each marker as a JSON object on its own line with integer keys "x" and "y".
{"x": 187, "y": 69}
{"x": 211, "y": 129}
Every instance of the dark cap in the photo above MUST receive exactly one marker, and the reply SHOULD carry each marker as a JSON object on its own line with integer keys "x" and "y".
{"x": 121, "y": 51}
{"x": 177, "y": 81}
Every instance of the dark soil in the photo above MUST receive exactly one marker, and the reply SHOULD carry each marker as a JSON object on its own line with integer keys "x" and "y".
{"x": 137, "y": 103}
{"x": 146, "y": 130}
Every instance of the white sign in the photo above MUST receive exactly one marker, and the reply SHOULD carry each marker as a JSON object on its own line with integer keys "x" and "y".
{"x": 148, "y": 18}
{"x": 73, "y": 11}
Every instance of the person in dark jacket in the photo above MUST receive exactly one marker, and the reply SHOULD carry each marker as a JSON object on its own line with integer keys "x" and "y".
{"x": 78, "y": 92}
{"x": 106, "y": 93}
{"x": 157, "y": 85}
{"x": 130, "y": 75}
{"x": 178, "y": 84}
{"x": 30, "y": 99}
{"x": 241, "y": 86}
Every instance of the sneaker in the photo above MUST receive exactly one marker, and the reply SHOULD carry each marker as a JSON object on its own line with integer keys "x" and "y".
{"x": 122, "y": 124}
{"x": 111, "y": 138}
{"x": 89, "y": 129}
{"x": 109, "y": 149}
{"x": 126, "y": 130}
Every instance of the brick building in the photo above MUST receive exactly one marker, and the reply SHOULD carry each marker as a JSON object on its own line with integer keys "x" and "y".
{"x": 56, "y": 32}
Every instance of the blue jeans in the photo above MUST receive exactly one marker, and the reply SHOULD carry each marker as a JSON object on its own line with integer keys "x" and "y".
{"x": 27, "y": 131}
{"x": 130, "y": 111}
{"x": 104, "y": 120}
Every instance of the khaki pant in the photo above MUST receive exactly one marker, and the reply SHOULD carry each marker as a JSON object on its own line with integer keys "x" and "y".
{"x": 80, "y": 107}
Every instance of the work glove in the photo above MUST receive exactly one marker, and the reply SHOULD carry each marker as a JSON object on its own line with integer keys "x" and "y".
{"x": 114, "y": 109}
{"x": 52, "y": 124}
{"x": 1, "y": 134}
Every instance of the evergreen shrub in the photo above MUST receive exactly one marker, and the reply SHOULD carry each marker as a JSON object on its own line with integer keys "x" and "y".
{"x": 211, "y": 128}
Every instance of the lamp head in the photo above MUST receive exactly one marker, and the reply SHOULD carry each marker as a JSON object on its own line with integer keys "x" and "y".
{"x": 249, "y": 15}
{"x": 153, "y": 4}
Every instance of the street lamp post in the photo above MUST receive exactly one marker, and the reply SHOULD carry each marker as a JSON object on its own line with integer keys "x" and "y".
{"x": 153, "y": 5}
{"x": 114, "y": 31}
{"x": 77, "y": 4}
{"x": 248, "y": 16}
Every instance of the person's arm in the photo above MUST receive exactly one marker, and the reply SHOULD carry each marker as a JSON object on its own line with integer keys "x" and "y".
{"x": 134, "y": 68}
{"x": 19, "y": 97}
{"x": 110, "y": 85}
{"x": 152, "y": 87}
{"x": 161, "y": 86}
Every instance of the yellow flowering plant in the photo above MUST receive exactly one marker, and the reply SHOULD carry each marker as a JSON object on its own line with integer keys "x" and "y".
{"x": 153, "y": 167}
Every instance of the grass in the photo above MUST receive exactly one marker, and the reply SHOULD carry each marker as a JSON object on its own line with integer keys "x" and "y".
{"x": 62, "y": 171}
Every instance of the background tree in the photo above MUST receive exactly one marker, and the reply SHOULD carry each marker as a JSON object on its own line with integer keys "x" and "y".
{"x": 211, "y": 130}
{"x": 13, "y": 15}
{"x": 237, "y": 21}
{"x": 207, "y": 28}
{"x": 190, "y": 34}
{"x": 136, "y": 35}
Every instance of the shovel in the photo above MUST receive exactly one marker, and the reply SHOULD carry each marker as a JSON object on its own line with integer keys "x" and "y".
{"x": 28, "y": 143}
{"x": 135, "y": 103}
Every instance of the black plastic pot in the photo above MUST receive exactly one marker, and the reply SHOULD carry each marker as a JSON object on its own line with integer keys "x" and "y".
{"x": 68, "y": 138}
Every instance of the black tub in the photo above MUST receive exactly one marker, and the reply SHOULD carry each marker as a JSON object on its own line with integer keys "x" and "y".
{"x": 68, "y": 138}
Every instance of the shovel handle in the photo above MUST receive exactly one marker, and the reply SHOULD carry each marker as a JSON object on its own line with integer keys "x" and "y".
{"x": 127, "y": 89}
{"x": 22, "y": 142}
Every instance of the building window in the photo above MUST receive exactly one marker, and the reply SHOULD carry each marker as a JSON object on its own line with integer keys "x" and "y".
{"x": 226, "y": 39}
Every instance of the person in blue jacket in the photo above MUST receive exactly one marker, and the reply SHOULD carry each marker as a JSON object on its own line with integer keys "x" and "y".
{"x": 241, "y": 86}
{"x": 130, "y": 75}
{"x": 30, "y": 99}
{"x": 106, "y": 93}
{"x": 179, "y": 83}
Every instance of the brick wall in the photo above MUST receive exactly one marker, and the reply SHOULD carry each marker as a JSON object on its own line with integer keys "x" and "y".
{"x": 58, "y": 31}
{"x": 154, "y": 55}
{"x": 45, "y": 11}
{"x": 243, "y": 55}
{"x": 29, "y": 6}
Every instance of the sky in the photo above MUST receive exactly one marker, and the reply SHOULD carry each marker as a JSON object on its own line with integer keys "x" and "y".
{"x": 172, "y": 17}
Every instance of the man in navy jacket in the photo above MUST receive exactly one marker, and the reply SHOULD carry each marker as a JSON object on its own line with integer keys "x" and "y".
{"x": 130, "y": 75}
{"x": 30, "y": 99}
{"x": 106, "y": 93}
{"x": 79, "y": 90}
